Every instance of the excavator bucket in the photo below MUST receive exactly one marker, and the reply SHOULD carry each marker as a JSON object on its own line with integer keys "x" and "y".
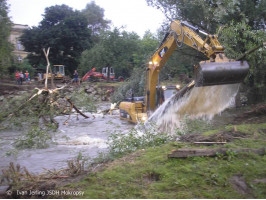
{"x": 219, "y": 73}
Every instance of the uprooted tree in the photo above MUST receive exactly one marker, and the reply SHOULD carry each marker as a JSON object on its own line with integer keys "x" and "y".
{"x": 39, "y": 108}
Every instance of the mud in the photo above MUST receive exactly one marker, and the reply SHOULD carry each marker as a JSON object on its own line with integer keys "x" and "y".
{"x": 239, "y": 184}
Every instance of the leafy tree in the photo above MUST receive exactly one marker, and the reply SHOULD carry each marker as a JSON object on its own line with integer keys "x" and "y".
{"x": 147, "y": 46}
{"x": 239, "y": 38}
{"x": 26, "y": 66}
{"x": 116, "y": 49}
{"x": 134, "y": 85}
{"x": 65, "y": 31}
{"x": 209, "y": 14}
{"x": 95, "y": 16}
{"x": 5, "y": 46}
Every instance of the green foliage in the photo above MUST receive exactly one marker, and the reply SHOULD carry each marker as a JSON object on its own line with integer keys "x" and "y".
{"x": 19, "y": 113}
{"x": 121, "y": 143}
{"x": 26, "y": 66}
{"x": 95, "y": 16}
{"x": 121, "y": 50}
{"x": 228, "y": 156}
{"x": 239, "y": 38}
{"x": 5, "y": 45}
{"x": 65, "y": 31}
{"x": 149, "y": 174}
{"x": 135, "y": 84}
{"x": 244, "y": 28}
{"x": 35, "y": 138}
{"x": 208, "y": 15}
{"x": 114, "y": 49}
{"x": 191, "y": 126}
{"x": 82, "y": 100}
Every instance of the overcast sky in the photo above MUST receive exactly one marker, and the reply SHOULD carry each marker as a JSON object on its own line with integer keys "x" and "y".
{"x": 134, "y": 15}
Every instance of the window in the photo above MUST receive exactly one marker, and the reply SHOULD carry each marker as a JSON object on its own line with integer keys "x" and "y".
{"x": 19, "y": 59}
{"x": 19, "y": 46}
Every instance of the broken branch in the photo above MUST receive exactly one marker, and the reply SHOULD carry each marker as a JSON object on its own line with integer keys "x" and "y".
{"x": 76, "y": 108}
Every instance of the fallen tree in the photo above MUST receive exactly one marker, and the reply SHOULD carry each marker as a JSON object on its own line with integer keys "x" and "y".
{"x": 44, "y": 103}
{"x": 185, "y": 153}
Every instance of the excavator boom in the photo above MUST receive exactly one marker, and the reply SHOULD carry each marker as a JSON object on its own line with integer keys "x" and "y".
{"x": 215, "y": 71}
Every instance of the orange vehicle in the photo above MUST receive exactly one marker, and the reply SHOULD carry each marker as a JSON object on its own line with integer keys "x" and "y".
{"x": 92, "y": 75}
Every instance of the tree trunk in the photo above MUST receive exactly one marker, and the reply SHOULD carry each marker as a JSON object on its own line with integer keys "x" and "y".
{"x": 184, "y": 153}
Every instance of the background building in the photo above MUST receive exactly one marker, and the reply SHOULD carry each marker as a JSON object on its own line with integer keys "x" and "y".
{"x": 16, "y": 32}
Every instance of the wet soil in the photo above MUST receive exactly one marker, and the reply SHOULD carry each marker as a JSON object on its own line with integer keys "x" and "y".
{"x": 10, "y": 87}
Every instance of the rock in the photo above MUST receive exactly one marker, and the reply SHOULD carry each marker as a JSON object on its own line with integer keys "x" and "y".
{"x": 2, "y": 98}
{"x": 11, "y": 96}
{"x": 21, "y": 92}
{"x": 89, "y": 90}
{"x": 94, "y": 92}
{"x": 81, "y": 90}
{"x": 104, "y": 98}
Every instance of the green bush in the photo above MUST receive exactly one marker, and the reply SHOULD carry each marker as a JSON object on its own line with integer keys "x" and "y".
{"x": 137, "y": 138}
{"x": 35, "y": 138}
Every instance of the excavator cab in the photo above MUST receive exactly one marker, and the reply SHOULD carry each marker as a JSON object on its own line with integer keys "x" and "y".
{"x": 165, "y": 92}
{"x": 59, "y": 71}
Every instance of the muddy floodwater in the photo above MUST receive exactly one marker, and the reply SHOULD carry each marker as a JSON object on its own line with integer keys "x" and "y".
{"x": 86, "y": 137}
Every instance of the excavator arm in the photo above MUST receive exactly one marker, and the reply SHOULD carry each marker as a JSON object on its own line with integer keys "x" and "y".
{"x": 217, "y": 70}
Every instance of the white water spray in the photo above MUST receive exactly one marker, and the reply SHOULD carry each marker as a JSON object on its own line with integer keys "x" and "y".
{"x": 198, "y": 103}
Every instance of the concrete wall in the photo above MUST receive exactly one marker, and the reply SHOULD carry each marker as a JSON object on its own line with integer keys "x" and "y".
{"x": 16, "y": 32}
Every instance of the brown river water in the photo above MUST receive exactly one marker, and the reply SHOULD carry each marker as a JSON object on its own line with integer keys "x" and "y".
{"x": 87, "y": 137}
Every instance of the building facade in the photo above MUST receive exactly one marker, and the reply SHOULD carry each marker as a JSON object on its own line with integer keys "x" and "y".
{"x": 18, "y": 52}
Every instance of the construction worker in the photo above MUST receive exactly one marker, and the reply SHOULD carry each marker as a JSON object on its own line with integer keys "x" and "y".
{"x": 76, "y": 77}
{"x": 27, "y": 76}
{"x": 21, "y": 76}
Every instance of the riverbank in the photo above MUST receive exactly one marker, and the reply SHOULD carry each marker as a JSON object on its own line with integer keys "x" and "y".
{"x": 150, "y": 173}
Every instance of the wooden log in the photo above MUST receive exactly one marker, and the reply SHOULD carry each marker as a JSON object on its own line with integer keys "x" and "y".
{"x": 184, "y": 153}
{"x": 76, "y": 108}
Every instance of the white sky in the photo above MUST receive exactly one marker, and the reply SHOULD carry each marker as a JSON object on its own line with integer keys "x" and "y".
{"x": 134, "y": 15}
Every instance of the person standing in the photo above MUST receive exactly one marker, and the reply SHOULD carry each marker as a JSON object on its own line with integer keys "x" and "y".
{"x": 17, "y": 77}
{"x": 76, "y": 77}
{"x": 27, "y": 76}
{"x": 21, "y": 76}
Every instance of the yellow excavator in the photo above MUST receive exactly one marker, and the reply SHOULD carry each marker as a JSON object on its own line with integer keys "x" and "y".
{"x": 217, "y": 70}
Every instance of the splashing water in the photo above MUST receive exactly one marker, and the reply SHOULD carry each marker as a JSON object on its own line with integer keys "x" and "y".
{"x": 198, "y": 103}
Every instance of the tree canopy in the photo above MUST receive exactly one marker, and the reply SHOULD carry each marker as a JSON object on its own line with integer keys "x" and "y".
{"x": 241, "y": 26}
{"x": 5, "y": 45}
{"x": 95, "y": 17}
{"x": 121, "y": 50}
{"x": 208, "y": 14}
{"x": 62, "y": 29}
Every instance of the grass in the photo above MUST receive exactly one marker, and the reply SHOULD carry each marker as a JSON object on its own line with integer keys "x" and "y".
{"x": 150, "y": 173}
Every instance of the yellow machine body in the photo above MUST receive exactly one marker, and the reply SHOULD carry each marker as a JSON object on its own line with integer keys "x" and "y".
{"x": 58, "y": 72}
